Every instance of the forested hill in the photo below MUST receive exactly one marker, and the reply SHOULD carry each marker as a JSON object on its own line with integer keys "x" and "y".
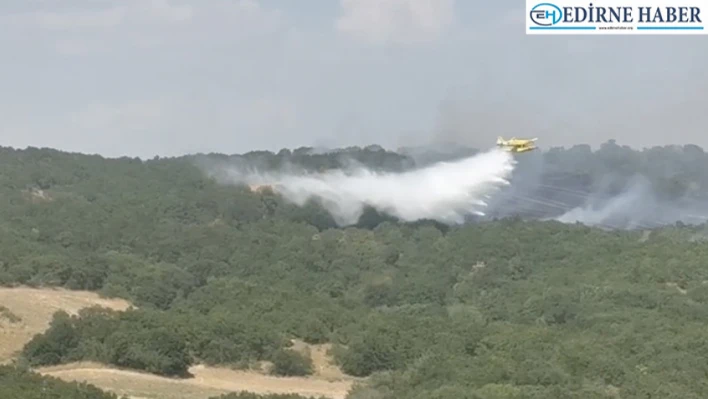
{"x": 225, "y": 276}
{"x": 601, "y": 187}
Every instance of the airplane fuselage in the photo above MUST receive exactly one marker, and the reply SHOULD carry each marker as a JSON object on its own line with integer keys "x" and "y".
{"x": 517, "y": 145}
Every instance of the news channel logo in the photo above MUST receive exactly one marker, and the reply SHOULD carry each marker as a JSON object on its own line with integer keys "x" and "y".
{"x": 653, "y": 17}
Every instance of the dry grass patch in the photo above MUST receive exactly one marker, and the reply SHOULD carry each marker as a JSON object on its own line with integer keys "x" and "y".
{"x": 25, "y": 312}
{"x": 207, "y": 382}
{"x": 31, "y": 310}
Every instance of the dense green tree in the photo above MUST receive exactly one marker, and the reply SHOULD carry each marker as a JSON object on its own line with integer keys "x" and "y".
{"x": 287, "y": 362}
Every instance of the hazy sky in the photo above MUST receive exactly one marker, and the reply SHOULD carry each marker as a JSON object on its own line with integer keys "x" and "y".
{"x": 167, "y": 77}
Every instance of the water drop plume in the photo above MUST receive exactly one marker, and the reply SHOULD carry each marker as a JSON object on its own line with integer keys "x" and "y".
{"x": 445, "y": 191}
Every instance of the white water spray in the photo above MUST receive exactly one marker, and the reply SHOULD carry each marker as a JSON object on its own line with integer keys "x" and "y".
{"x": 446, "y": 191}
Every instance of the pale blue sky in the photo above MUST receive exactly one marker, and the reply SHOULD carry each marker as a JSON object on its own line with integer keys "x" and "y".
{"x": 161, "y": 77}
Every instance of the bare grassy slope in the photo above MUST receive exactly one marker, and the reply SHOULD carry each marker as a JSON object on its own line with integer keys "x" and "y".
{"x": 207, "y": 381}
{"x": 34, "y": 307}
{"x": 25, "y": 312}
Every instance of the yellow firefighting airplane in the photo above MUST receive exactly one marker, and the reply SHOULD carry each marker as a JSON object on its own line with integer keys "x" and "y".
{"x": 516, "y": 145}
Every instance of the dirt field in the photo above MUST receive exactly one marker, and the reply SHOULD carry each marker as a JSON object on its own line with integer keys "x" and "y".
{"x": 25, "y": 312}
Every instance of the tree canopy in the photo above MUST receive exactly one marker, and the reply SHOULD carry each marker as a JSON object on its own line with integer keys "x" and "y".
{"x": 226, "y": 276}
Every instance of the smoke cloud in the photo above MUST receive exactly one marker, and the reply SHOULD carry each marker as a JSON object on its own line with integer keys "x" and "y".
{"x": 617, "y": 202}
{"x": 455, "y": 184}
{"x": 444, "y": 191}
{"x": 636, "y": 207}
